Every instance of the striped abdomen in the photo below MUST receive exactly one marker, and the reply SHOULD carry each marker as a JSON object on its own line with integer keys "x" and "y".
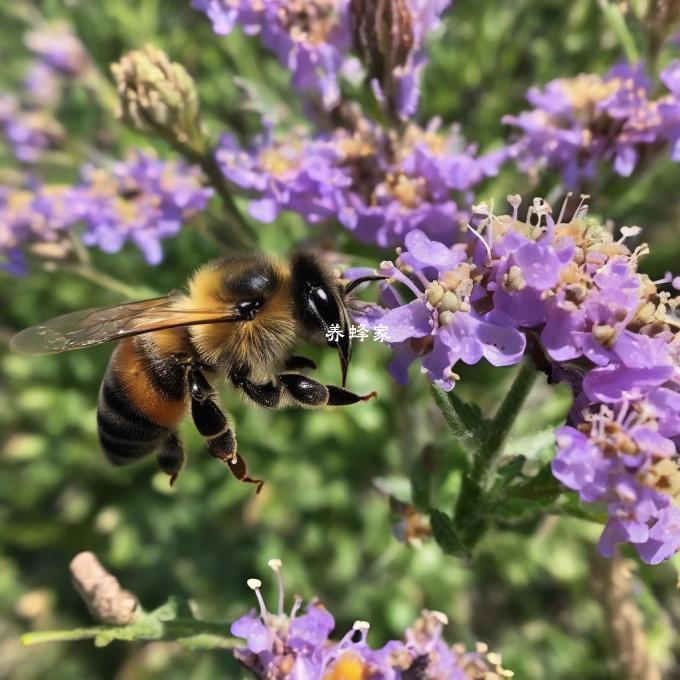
{"x": 142, "y": 400}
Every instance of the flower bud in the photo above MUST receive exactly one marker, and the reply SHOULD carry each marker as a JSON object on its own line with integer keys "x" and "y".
{"x": 383, "y": 36}
{"x": 449, "y": 302}
{"x": 158, "y": 96}
{"x": 434, "y": 293}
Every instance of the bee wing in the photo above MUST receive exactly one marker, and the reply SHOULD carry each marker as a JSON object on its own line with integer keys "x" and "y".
{"x": 90, "y": 327}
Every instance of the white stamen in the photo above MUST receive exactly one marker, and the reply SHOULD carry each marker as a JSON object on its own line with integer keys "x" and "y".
{"x": 361, "y": 627}
{"x": 667, "y": 278}
{"x": 255, "y": 584}
{"x": 628, "y": 232}
{"x": 481, "y": 238}
{"x": 582, "y": 209}
{"x": 564, "y": 206}
{"x": 440, "y": 616}
{"x": 297, "y": 603}
{"x": 275, "y": 566}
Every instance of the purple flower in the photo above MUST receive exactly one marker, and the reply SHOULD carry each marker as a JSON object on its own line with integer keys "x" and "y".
{"x": 577, "y": 123}
{"x": 29, "y": 133}
{"x": 309, "y": 37}
{"x": 440, "y": 324}
{"x": 59, "y": 49}
{"x": 33, "y": 219}
{"x": 377, "y": 187}
{"x": 603, "y": 327}
{"x": 618, "y": 457}
{"x": 298, "y": 647}
{"x": 143, "y": 200}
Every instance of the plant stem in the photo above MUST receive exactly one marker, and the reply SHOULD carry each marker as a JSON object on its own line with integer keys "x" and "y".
{"x": 617, "y": 23}
{"x": 451, "y": 409}
{"x": 199, "y": 152}
{"x": 104, "y": 280}
{"x": 469, "y": 518}
{"x": 490, "y": 451}
{"x": 190, "y": 633}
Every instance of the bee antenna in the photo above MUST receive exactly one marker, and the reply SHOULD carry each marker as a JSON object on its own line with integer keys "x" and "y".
{"x": 363, "y": 279}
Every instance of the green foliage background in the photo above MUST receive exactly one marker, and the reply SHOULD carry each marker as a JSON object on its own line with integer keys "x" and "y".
{"x": 325, "y": 509}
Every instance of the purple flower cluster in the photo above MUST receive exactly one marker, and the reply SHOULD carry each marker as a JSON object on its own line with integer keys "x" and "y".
{"x": 379, "y": 186}
{"x": 59, "y": 49}
{"x": 309, "y": 37}
{"x": 28, "y": 125}
{"x": 29, "y": 133}
{"x": 298, "y": 647}
{"x": 142, "y": 199}
{"x": 580, "y": 122}
{"x": 29, "y": 217}
{"x": 606, "y": 329}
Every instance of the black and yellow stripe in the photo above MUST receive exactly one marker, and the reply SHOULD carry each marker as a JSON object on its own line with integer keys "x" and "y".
{"x": 141, "y": 401}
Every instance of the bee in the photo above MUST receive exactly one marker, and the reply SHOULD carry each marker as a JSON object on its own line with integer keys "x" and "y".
{"x": 239, "y": 320}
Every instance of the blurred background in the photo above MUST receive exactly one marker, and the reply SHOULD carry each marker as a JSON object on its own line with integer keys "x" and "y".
{"x": 325, "y": 510}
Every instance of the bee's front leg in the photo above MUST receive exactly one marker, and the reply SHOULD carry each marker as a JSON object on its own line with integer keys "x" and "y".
{"x": 213, "y": 426}
{"x": 310, "y": 392}
{"x": 298, "y": 363}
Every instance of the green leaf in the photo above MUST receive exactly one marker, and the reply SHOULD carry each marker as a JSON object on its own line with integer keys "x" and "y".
{"x": 464, "y": 420}
{"x": 446, "y": 535}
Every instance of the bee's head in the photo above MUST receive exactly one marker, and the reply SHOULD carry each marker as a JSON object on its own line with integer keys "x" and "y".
{"x": 320, "y": 308}
{"x": 320, "y": 300}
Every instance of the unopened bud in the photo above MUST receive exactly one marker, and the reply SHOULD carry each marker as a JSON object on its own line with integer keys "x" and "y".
{"x": 383, "y": 36}
{"x": 158, "y": 96}
{"x": 449, "y": 302}
{"x": 434, "y": 293}
{"x": 101, "y": 591}
{"x": 605, "y": 334}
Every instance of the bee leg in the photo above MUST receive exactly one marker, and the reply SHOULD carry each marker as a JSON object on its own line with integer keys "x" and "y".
{"x": 297, "y": 363}
{"x": 313, "y": 393}
{"x": 171, "y": 457}
{"x": 267, "y": 395}
{"x": 213, "y": 425}
{"x": 237, "y": 467}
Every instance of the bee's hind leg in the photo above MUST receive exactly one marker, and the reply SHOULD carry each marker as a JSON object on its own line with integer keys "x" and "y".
{"x": 213, "y": 426}
{"x": 171, "y": 457}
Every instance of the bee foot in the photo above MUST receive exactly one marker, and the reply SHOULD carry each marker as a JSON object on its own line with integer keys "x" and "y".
{"x": 369, "y": 396}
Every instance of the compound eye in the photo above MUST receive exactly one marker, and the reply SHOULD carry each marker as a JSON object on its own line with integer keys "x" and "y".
{"x": 323, "y": 305}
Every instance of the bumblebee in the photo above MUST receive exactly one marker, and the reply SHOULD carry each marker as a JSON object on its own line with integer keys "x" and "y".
{"x": 240, "y": 320}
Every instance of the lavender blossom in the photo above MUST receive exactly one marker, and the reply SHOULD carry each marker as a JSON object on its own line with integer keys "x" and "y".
{"x": 308, "y": 37}
{"x": 143, "y": 200}
{"x": 59, "y": 49}
{"x": 297, "y": 646}
{"x": 605, "y": 330}
{"x": 621, "y": 458}
{"x": 580, "y": 122}
{"x": 32, "y": 219}
{"x": 28, "y": 133}
{"x": 378, "y": 187}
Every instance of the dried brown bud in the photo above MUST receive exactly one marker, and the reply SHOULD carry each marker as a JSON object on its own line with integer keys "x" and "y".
{"x": 663, "y": 17}
{"x": 158, "y": 96}
{"x": 382, "y": 32}
{"x": 101, "y": 591}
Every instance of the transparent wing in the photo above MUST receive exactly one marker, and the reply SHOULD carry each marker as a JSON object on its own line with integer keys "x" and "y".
{"x": 90, "y": 327}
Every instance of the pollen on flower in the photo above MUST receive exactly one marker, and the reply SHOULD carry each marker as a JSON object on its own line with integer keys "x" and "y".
{"x": 347, "y": 667}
